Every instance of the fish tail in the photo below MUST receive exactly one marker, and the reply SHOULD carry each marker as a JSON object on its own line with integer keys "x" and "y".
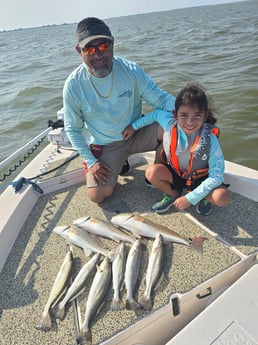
{"x": 45, "y": 322}
{"x": 84, "y": 336}
{"x": 59, "y": 311}
{"x": 197, "y": 243}
{"x": 117, "y": 304}
{"x": 131, "y": 304}
{"x": 146, "y": 302}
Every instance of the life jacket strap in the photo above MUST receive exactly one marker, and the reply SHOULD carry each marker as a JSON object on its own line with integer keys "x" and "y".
{"x": 199, "y": 173}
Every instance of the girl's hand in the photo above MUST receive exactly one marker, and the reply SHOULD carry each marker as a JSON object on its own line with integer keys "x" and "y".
{"x": 182, "y": 203}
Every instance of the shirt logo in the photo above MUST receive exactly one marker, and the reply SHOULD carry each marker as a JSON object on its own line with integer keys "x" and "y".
{"x": 127, "y": 93}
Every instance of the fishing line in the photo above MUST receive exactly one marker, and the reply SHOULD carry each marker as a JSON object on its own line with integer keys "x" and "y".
{"x": 54, "y": 169}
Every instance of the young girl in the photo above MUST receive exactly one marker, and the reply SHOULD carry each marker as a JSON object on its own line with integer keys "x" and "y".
{"x": 192, "y": 158}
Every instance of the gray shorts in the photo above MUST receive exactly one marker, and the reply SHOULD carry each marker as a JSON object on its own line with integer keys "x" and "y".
{"x": 116, "y": 153}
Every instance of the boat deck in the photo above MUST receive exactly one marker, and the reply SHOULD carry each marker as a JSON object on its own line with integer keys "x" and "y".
{"x": 30, "y": 270}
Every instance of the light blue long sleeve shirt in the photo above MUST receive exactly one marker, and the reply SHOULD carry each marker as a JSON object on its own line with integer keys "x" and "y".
{"x": 216, "y": 159}
{"x": 105, "y": 117}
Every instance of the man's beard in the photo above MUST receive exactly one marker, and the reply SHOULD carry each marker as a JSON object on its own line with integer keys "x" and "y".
{"x": 101, "y": 72}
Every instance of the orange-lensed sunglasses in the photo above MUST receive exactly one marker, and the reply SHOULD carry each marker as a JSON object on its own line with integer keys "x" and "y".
{"x": 102, "y": 47}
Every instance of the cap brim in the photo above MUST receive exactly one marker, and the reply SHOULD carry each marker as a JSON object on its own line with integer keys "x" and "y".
{"x": 87, "y": 40}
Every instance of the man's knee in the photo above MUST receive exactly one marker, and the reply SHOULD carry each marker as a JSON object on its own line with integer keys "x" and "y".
{"x": 99, "y": 194}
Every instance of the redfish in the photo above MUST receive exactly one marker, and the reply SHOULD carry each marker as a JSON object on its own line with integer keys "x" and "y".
{"x": 103, "y": 228}
{"x": 141, "y": 226}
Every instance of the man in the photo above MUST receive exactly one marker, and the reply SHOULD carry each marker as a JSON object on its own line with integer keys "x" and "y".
{"x": 104, "y": 95}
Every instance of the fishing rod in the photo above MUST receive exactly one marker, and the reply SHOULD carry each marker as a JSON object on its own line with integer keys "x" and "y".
{"x": 51, "y": 125}
{"x": 18, "y": 184}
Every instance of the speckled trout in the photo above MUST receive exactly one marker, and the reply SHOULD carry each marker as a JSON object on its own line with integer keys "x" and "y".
{"x": 154, "y": 271}
{"x": 96, "y": 295}
{"x": 103, "y": 228}
{"x": 83, "y": 239}
{"x": 60, "y": 283}
{"x": 141, "y": 226}
{"x": 118, "y": 271}
{"x": 78, "y": 286}
{"x": 131, "y": 274}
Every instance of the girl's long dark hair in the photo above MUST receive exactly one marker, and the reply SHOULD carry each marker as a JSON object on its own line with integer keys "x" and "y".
{"x": 195, "y": 94}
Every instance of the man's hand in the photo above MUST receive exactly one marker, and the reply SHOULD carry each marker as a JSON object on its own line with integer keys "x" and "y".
{"x": 128, "y": 132}
{"x": 100, "y": 171}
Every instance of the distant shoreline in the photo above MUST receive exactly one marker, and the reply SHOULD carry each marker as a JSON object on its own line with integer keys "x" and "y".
{"x": 36, "y": 27}
{"x": 142, "y": 13}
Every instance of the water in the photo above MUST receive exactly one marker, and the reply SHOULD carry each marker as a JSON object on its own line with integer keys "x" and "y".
{"x": 215, "y": 45}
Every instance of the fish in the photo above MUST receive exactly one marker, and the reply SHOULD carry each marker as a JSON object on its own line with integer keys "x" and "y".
{"x": 118, "y": 268}
{"x": 131, "y": 274}
{"x": 141, "y": 226}
{"x": 95, "y": 298}
{"x": 77, "y": 287}
{"x": 83, "y": 239}
{"x": 154, "y": 271}
{"x": 59, "y": 286}
{"x": 103, "y": 228}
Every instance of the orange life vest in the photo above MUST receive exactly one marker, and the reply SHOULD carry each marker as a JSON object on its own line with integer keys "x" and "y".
{"x": 199, "y": 154}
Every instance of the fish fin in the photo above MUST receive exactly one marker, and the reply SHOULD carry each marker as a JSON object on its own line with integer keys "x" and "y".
{"x": 143, "y": 240}
{"x": 146, "y": 302}
{"x": 78, "y": 294}
{"x": 160, "y": 280}
{"x": 87, "y": 252}
{"x": 197, "y": 243}
{"x": 97, "y": 239}
{"x": 131, "y": 304}
{"x": 128, "y": 232}
{"x": 69, "y": 248}
{"x": 84, "y": 335}
{"x": 60, "y": 297}
{"x": 59, "y": 230}
{"x": 45, "y": 323}
{"x": 122, "y": 286}
{"x": 100, "y": 307}
{"x": 113, "y": 253}
{"x": 79, "y": 222}
{"x": 98, "y": 268}
{"x": 117, "y": 305}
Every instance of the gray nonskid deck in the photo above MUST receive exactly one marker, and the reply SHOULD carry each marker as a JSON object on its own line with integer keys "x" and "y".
{"x": 36, "y": 257}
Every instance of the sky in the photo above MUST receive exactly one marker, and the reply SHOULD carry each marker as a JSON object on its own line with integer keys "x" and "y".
{"x": 16, "y": 14}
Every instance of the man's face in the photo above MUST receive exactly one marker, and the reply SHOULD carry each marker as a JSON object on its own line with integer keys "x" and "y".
{"x": 98, "y": 56}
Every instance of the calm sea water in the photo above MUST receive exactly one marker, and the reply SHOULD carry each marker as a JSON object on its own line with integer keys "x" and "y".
{"x": 215, "y": 45}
